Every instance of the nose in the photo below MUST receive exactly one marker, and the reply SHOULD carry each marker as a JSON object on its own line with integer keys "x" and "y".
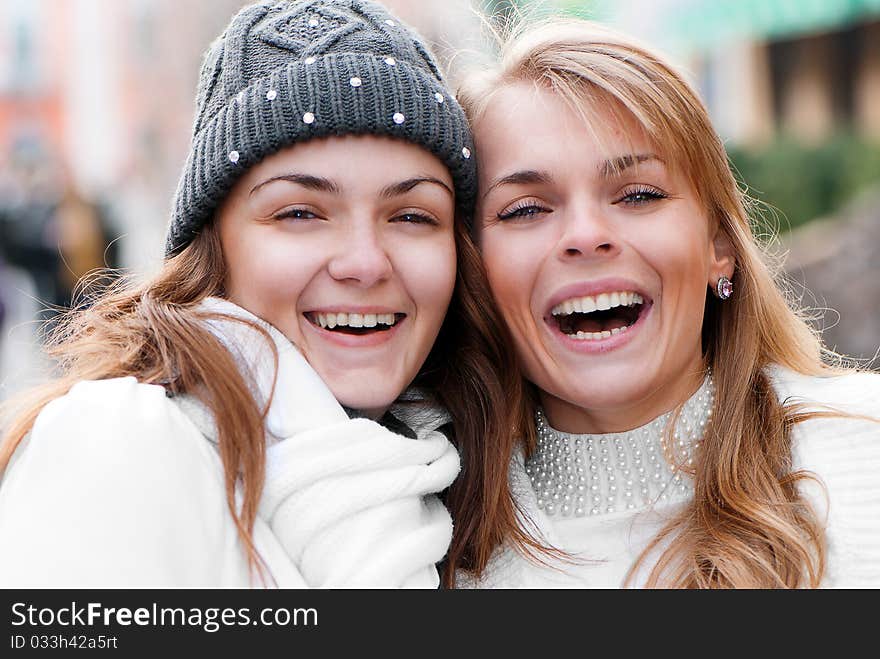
{"x": 587, "y": 232}
{"x": 360, "y": 258}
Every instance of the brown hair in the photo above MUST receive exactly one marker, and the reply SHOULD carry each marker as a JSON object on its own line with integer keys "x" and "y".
{"x": 155, "y": 332}
{"x": 748, "y": 525}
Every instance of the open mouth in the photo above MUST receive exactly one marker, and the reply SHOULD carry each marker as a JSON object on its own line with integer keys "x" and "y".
{"x": 357, "y": 324}
{"x": 597, "y": 317}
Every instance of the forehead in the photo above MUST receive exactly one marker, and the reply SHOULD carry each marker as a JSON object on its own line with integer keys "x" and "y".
{"x": 524, "y": 122}
{"x": 352, "y": 157}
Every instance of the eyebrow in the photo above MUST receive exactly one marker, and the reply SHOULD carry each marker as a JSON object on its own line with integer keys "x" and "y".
{"x": 321, "y": 184}
{"x": 616, "y": 166}
{"x": 305, "y": 180}
{"x": 523, "y": 177}
{"x": 611, "y": 167}
{"x": 397, "y": 189}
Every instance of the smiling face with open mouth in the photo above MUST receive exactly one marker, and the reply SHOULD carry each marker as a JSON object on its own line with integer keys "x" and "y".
{"x": 599, "y": 254}
{"x": 355, "y": 263}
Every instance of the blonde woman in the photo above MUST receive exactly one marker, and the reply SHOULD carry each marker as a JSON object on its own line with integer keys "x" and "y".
{"x": 684, "y": 428}
{"x": 199, "y": 434}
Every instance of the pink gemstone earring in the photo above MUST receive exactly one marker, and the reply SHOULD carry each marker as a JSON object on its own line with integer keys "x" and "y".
{"x": 724, "y": 288}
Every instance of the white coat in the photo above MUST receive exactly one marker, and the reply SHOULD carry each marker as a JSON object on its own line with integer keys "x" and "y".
{"x": 118, "y": 485}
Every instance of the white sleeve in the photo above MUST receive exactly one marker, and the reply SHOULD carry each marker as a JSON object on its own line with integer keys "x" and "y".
{"x": 114, "y": 487}
{"x": 844, "y": 453}
{"x": 354, "y": 505}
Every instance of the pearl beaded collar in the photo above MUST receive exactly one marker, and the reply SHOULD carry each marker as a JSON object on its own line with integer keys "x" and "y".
{"x": 576, "y": 475}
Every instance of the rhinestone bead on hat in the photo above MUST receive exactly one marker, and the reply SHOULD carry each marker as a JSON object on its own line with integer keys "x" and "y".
{"x": 578, "y": 475}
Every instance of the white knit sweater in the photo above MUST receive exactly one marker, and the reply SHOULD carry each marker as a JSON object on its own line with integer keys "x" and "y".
{"x": 843, "y": 452}
{"x": 118, "y": 485}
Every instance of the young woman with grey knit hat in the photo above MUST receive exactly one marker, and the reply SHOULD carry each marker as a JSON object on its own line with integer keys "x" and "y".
{"x": 282, "y": 403}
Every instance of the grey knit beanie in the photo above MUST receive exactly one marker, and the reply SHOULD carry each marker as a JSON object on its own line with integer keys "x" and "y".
{"x": 288, "y": 71}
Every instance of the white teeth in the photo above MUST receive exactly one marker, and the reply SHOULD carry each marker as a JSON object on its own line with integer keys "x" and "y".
{"x": 331, "y": 320}
{"x": 597, "y": 336}
{"x": 602, "y": 302}
{"x": 587, "y": 336}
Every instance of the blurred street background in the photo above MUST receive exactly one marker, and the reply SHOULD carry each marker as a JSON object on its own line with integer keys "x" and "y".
{"x": 96, "y": 109}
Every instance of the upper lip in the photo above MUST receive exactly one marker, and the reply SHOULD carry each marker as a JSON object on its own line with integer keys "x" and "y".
{"x": 595, "y": 287}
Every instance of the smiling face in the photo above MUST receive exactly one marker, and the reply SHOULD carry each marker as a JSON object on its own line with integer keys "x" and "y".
{"x": 346, "y": 245}
{"x": 599, "y": 254}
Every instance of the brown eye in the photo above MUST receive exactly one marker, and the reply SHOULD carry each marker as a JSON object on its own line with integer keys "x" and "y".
{"x": 295, "y": 214}
{"x": 414, "y": 218}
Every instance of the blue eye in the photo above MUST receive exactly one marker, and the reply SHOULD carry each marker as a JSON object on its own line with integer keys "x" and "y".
{"x": 527, "y": 211}
{"x": 641, "y": 195}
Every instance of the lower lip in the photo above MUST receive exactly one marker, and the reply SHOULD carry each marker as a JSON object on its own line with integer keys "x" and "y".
{"x": 593, "y": 346}
{"x": 357, "y": 340}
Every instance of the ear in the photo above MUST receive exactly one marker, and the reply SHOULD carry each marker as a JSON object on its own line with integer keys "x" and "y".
{"x": 722, "y": 257}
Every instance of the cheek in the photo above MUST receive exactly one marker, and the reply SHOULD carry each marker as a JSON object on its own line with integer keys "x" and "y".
{"x": 511, "y": 264}
{"x": 683, "y": 267}
{"x": 427, "y": 269}
{"x": 268, "y": 277}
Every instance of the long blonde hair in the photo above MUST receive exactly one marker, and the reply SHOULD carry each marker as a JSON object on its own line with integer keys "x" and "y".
{"x": 748, "y": 525}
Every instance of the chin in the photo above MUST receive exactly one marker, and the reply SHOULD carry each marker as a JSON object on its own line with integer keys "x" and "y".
{"x": 607, "y": 396}
{"x": 369, "y": 403}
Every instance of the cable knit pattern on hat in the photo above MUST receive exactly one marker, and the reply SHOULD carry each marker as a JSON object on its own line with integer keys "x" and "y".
{"x": 288, "y": 71}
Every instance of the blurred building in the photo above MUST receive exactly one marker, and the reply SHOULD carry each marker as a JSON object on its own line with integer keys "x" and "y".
{"x": 764, "y": 67}
{"x": 102, "y": 89}
{"x": 804, "y": 68}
